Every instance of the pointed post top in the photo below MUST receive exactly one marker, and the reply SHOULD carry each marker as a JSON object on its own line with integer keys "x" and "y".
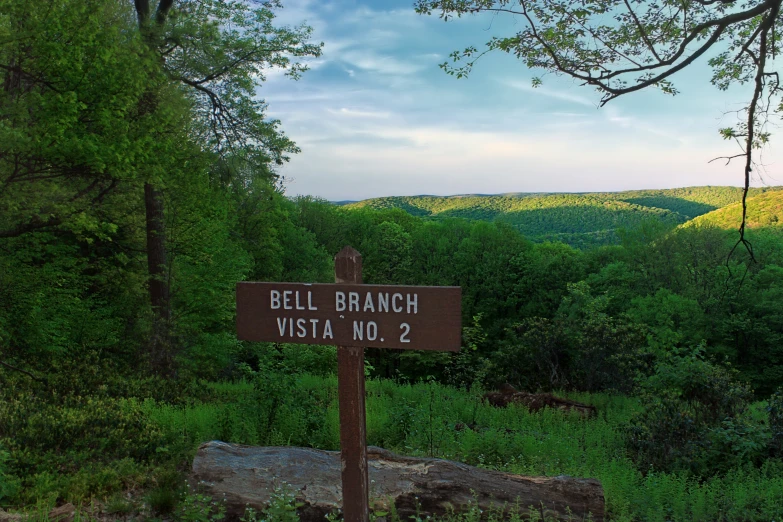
{"x": 348, "y": 251}
{"x": 348, "y": 266}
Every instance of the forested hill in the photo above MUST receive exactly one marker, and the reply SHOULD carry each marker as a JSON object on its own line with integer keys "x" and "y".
{"x": 579, "y": 219}
{"x": 764, "y": 210}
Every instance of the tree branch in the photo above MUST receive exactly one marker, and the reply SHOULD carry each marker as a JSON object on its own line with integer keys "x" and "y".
{"x": 163, "y": 11}
{"x": 642, "y": 32}
{"x": 35, "y": 224}
{"x": 766, "y": 24}
{"x": 656, "y": 79}
{"x": 142, "y": 11}
{"x": 33, "y": 377}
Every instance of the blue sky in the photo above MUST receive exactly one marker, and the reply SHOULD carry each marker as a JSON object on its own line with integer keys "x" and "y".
{"x": 375, "y": 116}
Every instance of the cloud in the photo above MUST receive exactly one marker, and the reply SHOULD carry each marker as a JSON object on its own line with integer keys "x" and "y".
{"x": 352, "y": 113}
{"x": 372, "y": 61}
{"x": 377, "y": 117}
{"x": 550, "y": 93}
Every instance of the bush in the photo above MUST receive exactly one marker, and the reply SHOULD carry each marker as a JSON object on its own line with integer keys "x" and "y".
{"x": 775, "y": 410}
{"x": 75, "y": 449}
{"x": 582, "y": 348}
{"x": 696, "y": 419}
{"x": 9, "y": 484}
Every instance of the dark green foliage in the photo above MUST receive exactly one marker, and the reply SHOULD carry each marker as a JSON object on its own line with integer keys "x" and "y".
{"x": 78, "y": 447}
{"x": 581, "y": 348}
{"x": 162, "y": 501}
{"x": 695, "y": 419}
{"x": 775, "y": 410}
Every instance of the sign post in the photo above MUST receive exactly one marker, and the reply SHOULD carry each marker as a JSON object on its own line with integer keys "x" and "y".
{"x": 350, "y": 388}
{"x": 351, "y": 316}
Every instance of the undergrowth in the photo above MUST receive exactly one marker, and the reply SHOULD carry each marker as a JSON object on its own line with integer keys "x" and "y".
{"x": 424, "y": 419}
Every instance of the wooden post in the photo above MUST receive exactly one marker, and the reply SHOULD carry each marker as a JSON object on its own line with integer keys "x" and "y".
{"x": 351, "y": 316}
{"x": 353, "y": 425}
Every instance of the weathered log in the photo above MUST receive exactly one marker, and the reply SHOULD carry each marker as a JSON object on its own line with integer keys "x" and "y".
{"x": 246, "y": 476}
{"x": 536, "y": 401}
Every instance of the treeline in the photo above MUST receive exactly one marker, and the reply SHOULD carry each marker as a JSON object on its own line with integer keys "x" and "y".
{"x": 536, "y": 315}
{"x": 545, "y": 315}
{"x": 582, "y": 220}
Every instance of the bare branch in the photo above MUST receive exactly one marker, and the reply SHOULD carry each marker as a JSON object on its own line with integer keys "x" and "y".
{"x": 727, "y": 158}
{"x": 33, "y": 377}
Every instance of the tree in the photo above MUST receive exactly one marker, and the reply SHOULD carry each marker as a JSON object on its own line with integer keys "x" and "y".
{"x": 622, "y": 46}
{"x": 217, "y": 51}
{"x": 70, "y": 133}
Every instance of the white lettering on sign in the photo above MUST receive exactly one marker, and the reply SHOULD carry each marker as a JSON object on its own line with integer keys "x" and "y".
{"x": 353, "y": 300}
{"x": 368, "y": 304}
{"x": 328, "y": 330}
{"x": 285, "y": 325}
{"x": 358, "y": 330}
{"x": 379, "y": 302}
{"x": 408, "y": 303}
{"x": 372, "y": 331}
{"x": 394, "y": 302}
{"x": 275, "y": 302}
{"x": 414, "y": 303}
{"x": 404, "y": 335}
{"x": 383, "y": 302}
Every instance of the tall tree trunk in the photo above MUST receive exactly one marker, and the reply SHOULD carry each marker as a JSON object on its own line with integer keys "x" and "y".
{"x": 160, "y": 342}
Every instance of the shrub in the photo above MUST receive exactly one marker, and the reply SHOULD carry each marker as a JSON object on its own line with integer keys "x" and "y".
{"x": 9, "y": 484}
{"x": 695, "y": 419}
{"x": 76, "y": 448}
{"x": 775, "y": 410}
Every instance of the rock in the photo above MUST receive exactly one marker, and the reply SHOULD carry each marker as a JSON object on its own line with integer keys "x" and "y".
{"x": 536, "y": 401}
{"x": 246, "y": 476}
{"x": 64, "y": 513}
{"x": 11, "y": 517}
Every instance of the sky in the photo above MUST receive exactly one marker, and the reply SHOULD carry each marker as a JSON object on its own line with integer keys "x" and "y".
{"x": 375, "y": 116}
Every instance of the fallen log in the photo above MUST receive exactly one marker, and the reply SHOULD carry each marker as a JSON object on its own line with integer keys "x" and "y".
{"x": 536, "y": 401}
{"x": 246, "y": 476}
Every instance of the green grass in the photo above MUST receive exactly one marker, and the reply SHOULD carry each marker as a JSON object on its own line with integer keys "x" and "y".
{"x": 433, "y": 420}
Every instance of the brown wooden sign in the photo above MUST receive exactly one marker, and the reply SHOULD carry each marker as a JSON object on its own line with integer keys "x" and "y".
{"x": 377, "y": 316}
{"x": 352, "y": 316}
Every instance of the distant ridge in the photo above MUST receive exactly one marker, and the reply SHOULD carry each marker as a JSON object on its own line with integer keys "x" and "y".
{"x": 582, "y": 219}
{"x": 763, "y": 211}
